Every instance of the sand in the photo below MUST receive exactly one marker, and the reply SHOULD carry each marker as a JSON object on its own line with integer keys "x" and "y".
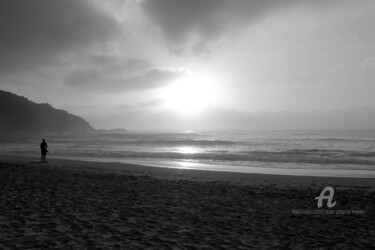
{"x": 76, "y": 204}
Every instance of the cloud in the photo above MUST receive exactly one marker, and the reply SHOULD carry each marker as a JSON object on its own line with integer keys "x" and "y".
{"x": 115, "y": 64}
{"x": 195, "y": 23}
{"x": 35, "y": 33}
{"x": 179, "y": 20}
{"x": 150, "y": 104}
{"x": 368, "y": 63}
{"x": 92, "y": 80}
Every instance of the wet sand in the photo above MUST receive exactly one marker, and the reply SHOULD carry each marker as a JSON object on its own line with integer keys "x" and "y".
{"x": 76, "y": 204}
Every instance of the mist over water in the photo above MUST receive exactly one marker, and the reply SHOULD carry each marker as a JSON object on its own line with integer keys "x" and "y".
{"x": 224, "y": 150}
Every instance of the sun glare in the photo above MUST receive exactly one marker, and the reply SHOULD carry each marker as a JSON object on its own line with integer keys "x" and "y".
{"x": 189, "y": 95}
{"x": 187, "y": 150}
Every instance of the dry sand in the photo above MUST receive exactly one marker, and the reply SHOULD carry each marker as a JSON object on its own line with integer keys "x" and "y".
{"x": 76, "y": 204}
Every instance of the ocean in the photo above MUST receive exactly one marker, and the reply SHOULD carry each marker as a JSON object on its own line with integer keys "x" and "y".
{"x": 319, "y": 153}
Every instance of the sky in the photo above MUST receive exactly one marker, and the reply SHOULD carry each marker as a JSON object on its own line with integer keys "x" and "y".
{"x": 197, "y": 64}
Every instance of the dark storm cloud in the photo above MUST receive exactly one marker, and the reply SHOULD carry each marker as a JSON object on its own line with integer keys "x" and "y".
{"x": 93, "y": 80}
{"x": 207, "y": 20}
{"x": 35, "y": 33}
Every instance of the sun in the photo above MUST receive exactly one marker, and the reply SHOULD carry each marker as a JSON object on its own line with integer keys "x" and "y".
{"x": 189, "y": 94}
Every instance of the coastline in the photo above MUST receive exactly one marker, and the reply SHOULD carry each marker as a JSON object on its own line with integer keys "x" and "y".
{"x": 80, "y": 204}
{"x": 170, "y": 173}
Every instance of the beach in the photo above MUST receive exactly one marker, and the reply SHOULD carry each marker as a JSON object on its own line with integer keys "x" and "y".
{"x": 172, "y": 124}
{"x": 80, "y": 204}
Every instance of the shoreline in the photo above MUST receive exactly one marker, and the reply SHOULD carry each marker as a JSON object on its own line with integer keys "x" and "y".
{"x": 90, "y": 205}
{"x": 169, "y": 173}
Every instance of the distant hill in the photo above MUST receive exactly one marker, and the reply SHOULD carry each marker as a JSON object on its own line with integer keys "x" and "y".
{"x": 18, "y": 114}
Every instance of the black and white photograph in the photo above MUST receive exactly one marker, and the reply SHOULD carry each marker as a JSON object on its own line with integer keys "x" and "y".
{"x": 187, "y": 124}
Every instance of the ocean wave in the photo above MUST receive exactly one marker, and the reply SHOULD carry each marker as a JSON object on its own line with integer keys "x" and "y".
{"x": 187, "y": 142}
{"x": 363, "y": 154}
{"x": 249, "y": 156}
{"x": 216, "y": 148}
{"x": 157, "y": 142}
{"x": 345, "y": 140}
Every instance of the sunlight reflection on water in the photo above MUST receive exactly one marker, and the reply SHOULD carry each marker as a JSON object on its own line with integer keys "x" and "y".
{"x": 187, "y": 150}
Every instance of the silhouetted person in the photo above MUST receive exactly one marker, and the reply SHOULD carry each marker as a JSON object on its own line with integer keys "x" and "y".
{"x": 43, "y": 150}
